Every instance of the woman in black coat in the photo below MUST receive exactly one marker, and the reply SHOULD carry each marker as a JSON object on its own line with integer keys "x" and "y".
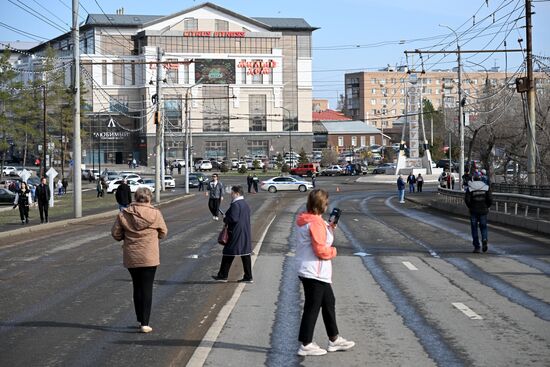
{"x": 237, "y": 219}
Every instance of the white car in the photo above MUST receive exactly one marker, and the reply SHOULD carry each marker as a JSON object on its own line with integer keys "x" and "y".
{"x": 149, "y": 182}
{"x": 169, "y": 181}
{"x": 132, "y": 176}
{"x": 8, "y": 170}
{"x": 178, "y": 162}
{"x": 333, "y": 170}
{"x": 204, "y": 165}
{"x": 134, "y": 185}
{"x": 286, "y": 183}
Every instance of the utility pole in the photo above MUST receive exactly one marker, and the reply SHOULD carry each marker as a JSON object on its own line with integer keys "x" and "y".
{"x": 44, "y": 130}
{"x": 77, "y": 149}
{"x": 159, "y": 128}
{"x": 531, "y": 142}
{"x": 187, "y": 141}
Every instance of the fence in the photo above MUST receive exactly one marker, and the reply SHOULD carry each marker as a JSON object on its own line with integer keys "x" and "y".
{"x": 539, "y": 190}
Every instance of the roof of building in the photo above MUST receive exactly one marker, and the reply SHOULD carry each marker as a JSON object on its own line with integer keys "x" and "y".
{"x": 286, "y": 23}
{"x": 349, "y": 127}
{"x": 18, "y": 45}
{"x": 119, "y": 19}
{"x": 329, "y": 115}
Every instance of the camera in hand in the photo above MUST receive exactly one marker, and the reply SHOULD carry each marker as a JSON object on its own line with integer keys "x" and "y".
{"x": 335, "y": 216}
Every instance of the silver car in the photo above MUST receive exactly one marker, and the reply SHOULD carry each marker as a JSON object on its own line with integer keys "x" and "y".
{"x": 286, "y": 183}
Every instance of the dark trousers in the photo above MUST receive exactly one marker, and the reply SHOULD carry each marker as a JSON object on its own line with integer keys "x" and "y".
{"x": 318, "y": 295}
{"x": 255, "y": 183}
{"x": 24, "y": 213}
{"x": 43, "y": 210}
{"x": 480, "y": 219}
{"x": 249, "y": 184}
{"x": 214, "y": 206}
{"x": 201, "y": 186}
{"x": 226, "y": 265}
{"x": 142, "y": 280}
{"x": 419, "y": 186}
{"x": 411, "y": 187}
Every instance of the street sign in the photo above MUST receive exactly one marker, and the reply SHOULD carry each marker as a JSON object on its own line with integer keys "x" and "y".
{"x": 51, "y": 173}
{"x": 24, "y": 174}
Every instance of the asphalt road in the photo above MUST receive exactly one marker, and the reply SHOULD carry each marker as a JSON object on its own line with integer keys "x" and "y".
{"x": 409, "y": 291}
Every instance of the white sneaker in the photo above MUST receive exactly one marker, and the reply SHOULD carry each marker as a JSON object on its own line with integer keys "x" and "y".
{"x": 146, "y": 329}
{"x": 340, "y": 344}
{"x": 312, "y": 349}
{"x": 401, "y": 202}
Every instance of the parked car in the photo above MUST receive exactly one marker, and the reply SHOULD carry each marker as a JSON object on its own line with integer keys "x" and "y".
{"x": 8, "y": 170}
{"x": 134, "y": 185}
{"x": 149, "y": 182}
{"x": 286, "y": 183}
{"x": 86, "y": 174}
{"x": 132, "y": 176}
{"x": 111, "y": 175}
{"x": 333, "y": 170}
{"x": 194, "y": 179}
{"x": 396, "y": 146}
{"x": 169, "y": 181}
{"x": 381, "y": 169}
{"x": 178, "y": 162}
{"x": 6, "y": 196}
{"x": 306, "y": 169}
{"x": 445, "y": 164}
{"x": 203, "y": 165}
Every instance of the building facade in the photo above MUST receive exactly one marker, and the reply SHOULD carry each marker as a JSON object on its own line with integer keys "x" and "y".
{"x": 238, "y": 85}
{"x": 380, "y": 97}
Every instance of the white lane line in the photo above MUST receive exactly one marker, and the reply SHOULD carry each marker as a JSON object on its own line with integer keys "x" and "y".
{"x": 203, "y": 350}
{"x": 467, "y": 311}
{"x": 409, "y": 265}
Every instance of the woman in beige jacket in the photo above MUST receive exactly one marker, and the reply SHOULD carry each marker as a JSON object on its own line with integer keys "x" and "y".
{"x": 141, "y": 226}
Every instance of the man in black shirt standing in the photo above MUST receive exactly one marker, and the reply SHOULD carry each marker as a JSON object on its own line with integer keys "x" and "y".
{"x": 43, "y": 198}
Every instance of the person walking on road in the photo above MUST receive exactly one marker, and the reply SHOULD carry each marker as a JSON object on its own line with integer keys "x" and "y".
{"x": 43, "y": 195}
{"x": 419, "y": 182}
{"x": 59, "y": 186}
{"x": 401, "y": 189}
{"x": 141, "y": 226}
{"x": 478, "y": 199}
{"x": 200, "y": 178}
{"x": 411, "y": 180}
{"x": 23, "y": 200}
{"x": 249, "y": 183}
{"x": 215, "y": 196}
{"x": 123, "y": 195}
{"x": 314, "y": 251}
{"x": 237, "y": 219}
{"x": 99, "y": 188}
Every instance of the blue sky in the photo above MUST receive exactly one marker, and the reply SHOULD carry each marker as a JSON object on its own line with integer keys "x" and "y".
{"x": 354, "y": 34}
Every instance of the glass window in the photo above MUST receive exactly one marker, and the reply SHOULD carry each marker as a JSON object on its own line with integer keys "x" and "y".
{"x": 373, "y": 90}
{"x": 304, "y": 46}
{"x": 171, "y": 72}
{"x": 258, "y": 147}
{"x": 172, "y": 112}
{"x": 118, "y": 104}
{"x": 257, "y": 112}
{"x": 118, "y": 73}
{"x": 340, "y": 141}
{"x": 104, "y": 73}
{"x": 191, "y": 24}
{"x": 222, "y": 25}
{"x": 354, "y": 141}
{"x": 363, "y": 141}
{"x": 215, "y": 108}
{"x": 373, "y": 102}
{"x": 215, "y": 149}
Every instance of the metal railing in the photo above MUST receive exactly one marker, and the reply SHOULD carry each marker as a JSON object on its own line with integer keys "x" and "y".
{"x": 527, "y": 206}
{"x": 539, "y": 190}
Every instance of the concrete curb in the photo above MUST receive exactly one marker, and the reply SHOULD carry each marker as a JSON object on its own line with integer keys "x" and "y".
{"x": 67, "y": 222}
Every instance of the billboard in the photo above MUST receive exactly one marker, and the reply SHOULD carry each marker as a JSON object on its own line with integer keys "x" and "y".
{"x": 215, "y": 71}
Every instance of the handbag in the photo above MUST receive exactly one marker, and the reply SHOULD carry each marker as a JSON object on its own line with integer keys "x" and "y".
{"x": 223, "y": 237}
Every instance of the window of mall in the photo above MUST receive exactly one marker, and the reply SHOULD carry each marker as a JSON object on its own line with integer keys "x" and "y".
{"x": 215, "y": 149}
{"x": 258, "y": 147}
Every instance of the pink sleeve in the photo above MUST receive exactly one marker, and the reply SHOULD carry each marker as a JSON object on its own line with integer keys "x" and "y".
{"x": 318, "y": 232}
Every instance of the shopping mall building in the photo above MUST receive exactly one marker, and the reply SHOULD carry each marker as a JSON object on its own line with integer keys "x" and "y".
{"x": 246, "y": 83}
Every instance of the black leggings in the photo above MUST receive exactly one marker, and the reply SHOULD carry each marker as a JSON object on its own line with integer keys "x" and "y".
{"x": 24, "y": 212}
{"x": 317, "y": 295}
{"x": 214, "y": 206}
{"x": 142, "y": 280}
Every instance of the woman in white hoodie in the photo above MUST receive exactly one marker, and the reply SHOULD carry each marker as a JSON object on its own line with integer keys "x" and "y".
{"x": 314, "y": 252}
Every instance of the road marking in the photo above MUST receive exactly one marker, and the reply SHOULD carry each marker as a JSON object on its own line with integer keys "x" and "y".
{"x": 409, "y": 265}
{"x": 203, "y": 350}
{"x": 467, "y": 311}
{"x": 361, "y": 254}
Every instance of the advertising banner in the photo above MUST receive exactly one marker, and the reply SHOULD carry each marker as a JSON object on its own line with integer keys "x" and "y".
{"x": 215, "y": 71}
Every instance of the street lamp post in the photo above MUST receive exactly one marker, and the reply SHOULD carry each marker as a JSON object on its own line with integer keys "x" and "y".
{"x": 188, "y": 134}
{"x": 289, "y": 134}
{"x": 460, "y": 107}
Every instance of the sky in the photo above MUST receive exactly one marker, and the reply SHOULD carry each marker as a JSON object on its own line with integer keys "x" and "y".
{"x": 353, "y": 35}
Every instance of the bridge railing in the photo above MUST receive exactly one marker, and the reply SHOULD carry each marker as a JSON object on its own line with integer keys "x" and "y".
{"x": 538, "y": 190}
{"x": 526, "y": 206}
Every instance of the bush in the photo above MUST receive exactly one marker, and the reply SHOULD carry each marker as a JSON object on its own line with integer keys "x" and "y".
{"x": 256, "y": 164}
{"x": 285, "y": 168}
{"x": 242, "y": 169}
{"x": 223, "y": 168}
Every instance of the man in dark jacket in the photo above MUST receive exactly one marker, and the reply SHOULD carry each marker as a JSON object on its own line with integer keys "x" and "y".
{"x": 478, "y": 198}
{"x": 215, "y": 196}
{"x": 43, "y": 197}
{"x": 123, "y": 195}
{"x": 411, "y": 180}
{"x": 401, "y": 189}
{"x": 237, "y": 219}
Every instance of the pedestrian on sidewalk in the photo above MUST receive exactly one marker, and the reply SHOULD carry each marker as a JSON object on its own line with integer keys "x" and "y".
{"x": 179, "y": 168}
{"x": 200, "y": 178}
{"x": 43, "y": 195}
{"x": 419, "y": 182}
{"x": 141, "y": 226}
{"x": 215, "y": 196}
{"x": 313, "y": 180}
{"x": 65, "y": 185}
{"x": 237, "y": 219}
{"x": 411, "y": 180}
{"x": 314, "y": 251}
{"x": 478, "y": 199}
{"x": 123, "y": 195}
{"x": 401, "y": 189}
{"x": 99, "y": 189}
{"x": 23, "y": 200}
{"x": 59, "y": 187}
{"x": 249, "y": 182}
